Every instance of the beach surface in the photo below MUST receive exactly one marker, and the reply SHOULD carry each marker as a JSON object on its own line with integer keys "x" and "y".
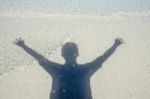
{"x": 125, "y": 75}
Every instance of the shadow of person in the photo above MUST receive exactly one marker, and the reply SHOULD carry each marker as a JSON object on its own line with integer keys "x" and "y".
{"x": 70, "y": 80}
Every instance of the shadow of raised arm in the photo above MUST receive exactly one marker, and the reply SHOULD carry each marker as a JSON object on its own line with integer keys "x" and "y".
{"x": 44, "y": 62}
{"x": 97, "y": 63}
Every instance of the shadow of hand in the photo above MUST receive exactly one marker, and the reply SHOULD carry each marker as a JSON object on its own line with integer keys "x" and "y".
{"x": 19, "y": 42}
{"x": 119, "y": 41}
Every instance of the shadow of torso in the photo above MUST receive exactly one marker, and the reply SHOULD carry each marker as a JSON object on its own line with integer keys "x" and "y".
{"x": 70, "y": 82}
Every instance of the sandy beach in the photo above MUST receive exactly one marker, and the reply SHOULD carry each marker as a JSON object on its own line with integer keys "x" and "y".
{"x": 93, "y": 26}
{"x": 125, "y": 75}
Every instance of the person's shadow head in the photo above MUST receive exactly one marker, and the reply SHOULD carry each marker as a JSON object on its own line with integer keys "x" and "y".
{"x": 70, "y": 53}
